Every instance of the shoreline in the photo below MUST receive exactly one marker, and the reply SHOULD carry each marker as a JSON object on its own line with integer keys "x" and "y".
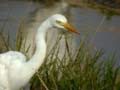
{"x": 94, "y": 5}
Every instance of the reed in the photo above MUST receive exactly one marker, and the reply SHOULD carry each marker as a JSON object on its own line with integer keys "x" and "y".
{"x": 83, "y": 72}
{"x": 78, "y": 70}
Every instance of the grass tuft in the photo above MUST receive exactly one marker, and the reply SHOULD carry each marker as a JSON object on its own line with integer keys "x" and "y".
{"x": 78, "y": 70}
{"x": 84, "y": 72}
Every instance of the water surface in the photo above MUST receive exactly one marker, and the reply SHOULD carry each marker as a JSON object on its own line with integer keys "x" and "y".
{"x": 103, "y": 33}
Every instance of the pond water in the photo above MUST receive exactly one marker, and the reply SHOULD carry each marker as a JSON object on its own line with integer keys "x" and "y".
{"x": 103, "y": 33}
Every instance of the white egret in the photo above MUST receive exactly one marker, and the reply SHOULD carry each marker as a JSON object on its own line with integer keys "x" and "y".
{"x": 32, "y": 22}
{"x": 15, "y": 70}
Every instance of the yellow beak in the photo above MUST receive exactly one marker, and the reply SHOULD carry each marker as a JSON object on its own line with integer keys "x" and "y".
{"x": 70, "y": 28}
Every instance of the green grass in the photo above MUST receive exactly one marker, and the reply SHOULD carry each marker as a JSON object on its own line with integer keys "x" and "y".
{"x": 82, "y": 72}
{"x": 78, "y": 70}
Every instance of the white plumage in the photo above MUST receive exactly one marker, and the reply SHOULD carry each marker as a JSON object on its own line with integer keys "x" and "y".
{"x": 15, "y": 71}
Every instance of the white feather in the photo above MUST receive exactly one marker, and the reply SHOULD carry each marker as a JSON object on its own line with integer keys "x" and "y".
{"x": 15, "y": 71}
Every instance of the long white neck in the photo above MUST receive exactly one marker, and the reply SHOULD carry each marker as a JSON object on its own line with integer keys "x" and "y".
{"x": 37, "y": 59}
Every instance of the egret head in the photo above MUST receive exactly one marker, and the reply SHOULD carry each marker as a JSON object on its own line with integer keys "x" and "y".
{"x": 60, "y": 21}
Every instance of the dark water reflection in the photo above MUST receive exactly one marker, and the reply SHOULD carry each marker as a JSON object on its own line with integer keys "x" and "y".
{"x": 107, "y": 36}
{"x": 103, "y": 34}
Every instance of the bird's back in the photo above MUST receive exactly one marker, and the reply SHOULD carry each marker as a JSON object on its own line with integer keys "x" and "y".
{"x": 4, "y": 84}
{"x": 10, "y": 65}
{"x": 11, "y": 57}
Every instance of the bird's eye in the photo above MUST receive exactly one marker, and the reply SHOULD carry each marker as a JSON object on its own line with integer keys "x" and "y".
{"x": 59, "y": 22}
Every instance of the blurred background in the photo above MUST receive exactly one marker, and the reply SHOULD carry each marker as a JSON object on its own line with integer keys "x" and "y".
{"x": 99, "y": 18}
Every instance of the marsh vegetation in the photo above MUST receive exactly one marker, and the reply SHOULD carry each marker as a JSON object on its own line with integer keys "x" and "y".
{"x": 79, "y": 70}
{"x": 82, "y": 69}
